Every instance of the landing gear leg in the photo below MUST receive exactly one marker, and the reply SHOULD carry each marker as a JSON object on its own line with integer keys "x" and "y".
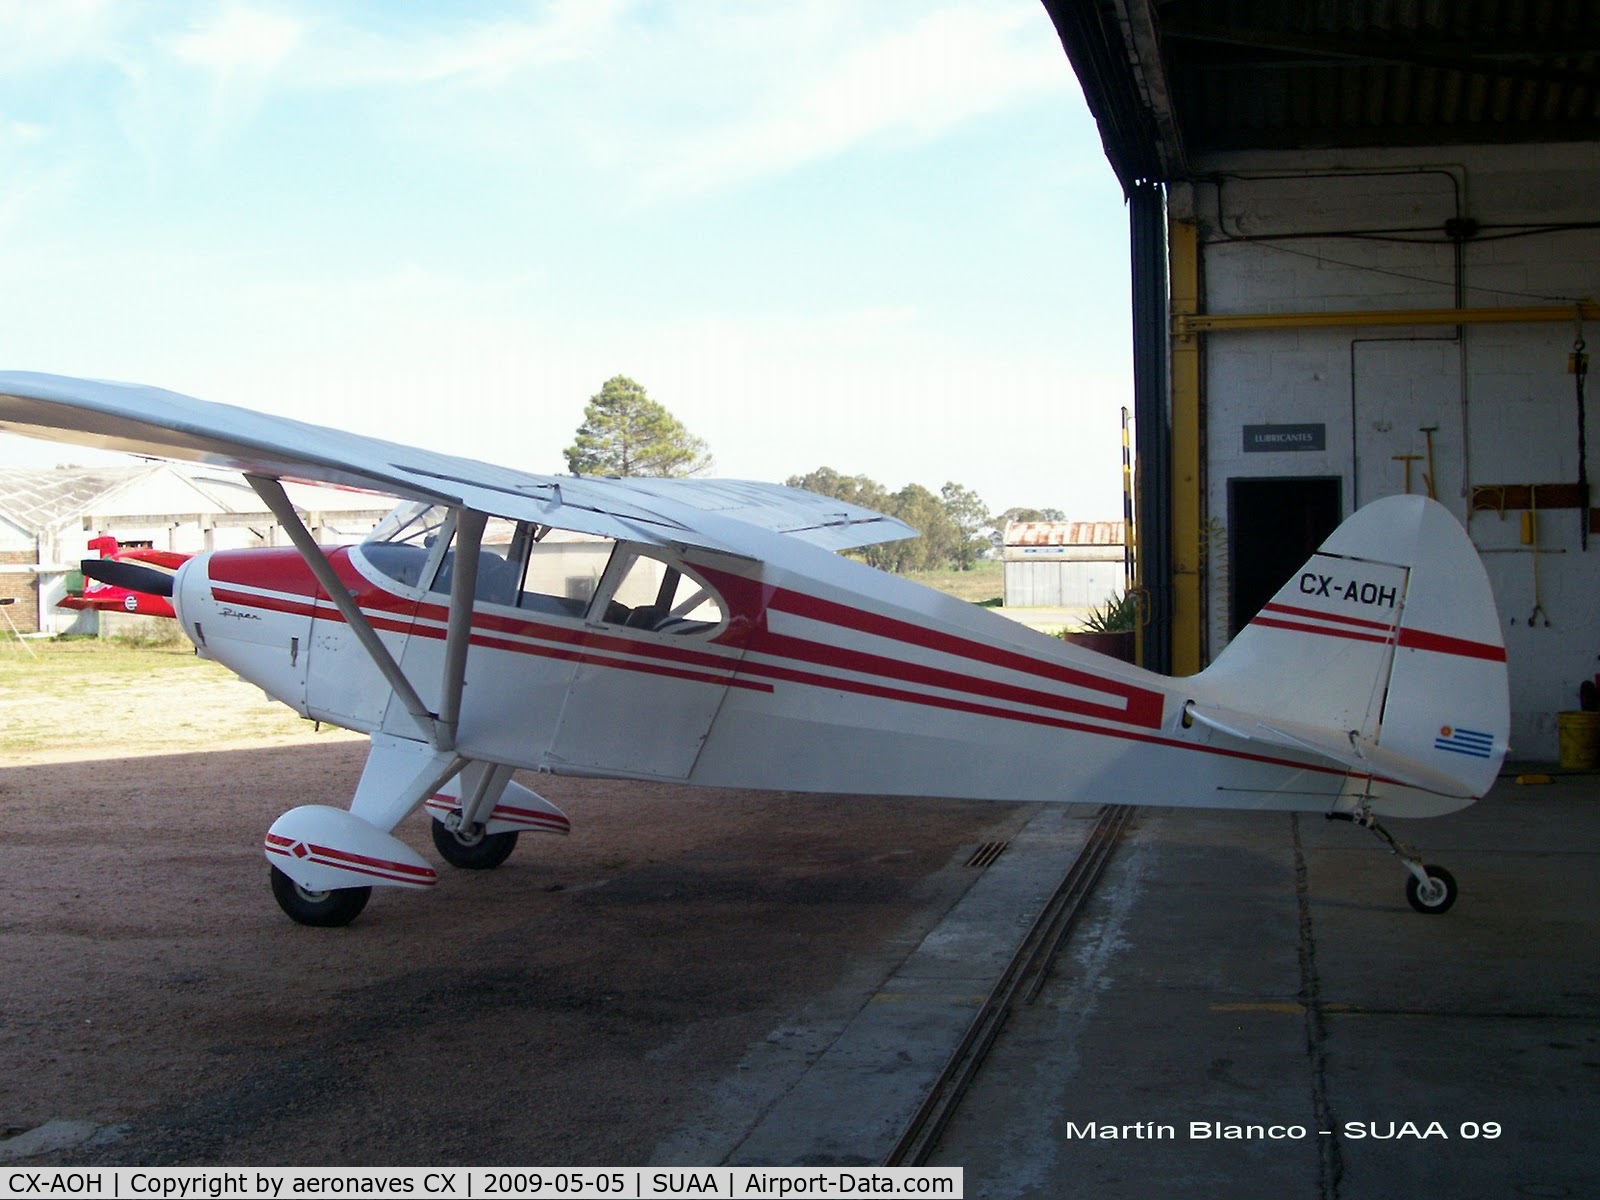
{"x": 1430, "y": 889}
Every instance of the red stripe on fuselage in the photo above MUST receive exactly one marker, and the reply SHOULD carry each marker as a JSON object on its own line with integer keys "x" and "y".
{"x": 1339, "y": 618}
{"x": 1141, "y": 701}
{"x": 1295, "y": 627}
{"x": 1411, "y": 639}
{"x": 1141, "y": 707}
{"x": 566, "y": 644}
{"x": 1439, "y": 643}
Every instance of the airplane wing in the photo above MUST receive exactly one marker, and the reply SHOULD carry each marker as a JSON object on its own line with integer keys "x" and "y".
{"x": 146, "y": 420}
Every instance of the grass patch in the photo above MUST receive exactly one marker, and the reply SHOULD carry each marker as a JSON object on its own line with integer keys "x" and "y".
{"x": 984, "y": 584}
{"x": 83, "y": 697}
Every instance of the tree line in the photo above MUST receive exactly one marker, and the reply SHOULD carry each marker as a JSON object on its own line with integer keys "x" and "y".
{"x": 624, "y": 432}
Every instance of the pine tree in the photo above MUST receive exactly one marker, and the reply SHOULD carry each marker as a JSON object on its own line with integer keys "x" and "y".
{"x": 624, "y": 432}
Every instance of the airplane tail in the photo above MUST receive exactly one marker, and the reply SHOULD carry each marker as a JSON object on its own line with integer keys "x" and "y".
{"x": 1384, "y": 654}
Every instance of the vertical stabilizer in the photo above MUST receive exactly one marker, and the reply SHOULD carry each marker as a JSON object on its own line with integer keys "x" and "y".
{"x": 1387, "y": 642}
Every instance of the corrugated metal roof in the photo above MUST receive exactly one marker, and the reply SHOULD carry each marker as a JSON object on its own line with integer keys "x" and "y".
{"x": 1170, "y": 79}
{"x": 1064, "y": 533}
{"x": 36, "y": 499}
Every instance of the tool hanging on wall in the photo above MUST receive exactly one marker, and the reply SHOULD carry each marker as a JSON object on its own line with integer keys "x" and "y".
{"x": 1578, "y": 364}
{"x": 1408, "y": 459}
{"x": 1427, "y": 480}
{"x": 1530, "y": 538}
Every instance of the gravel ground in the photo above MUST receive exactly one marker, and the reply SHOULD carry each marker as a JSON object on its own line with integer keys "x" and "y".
{"x": 575, "y": 1006}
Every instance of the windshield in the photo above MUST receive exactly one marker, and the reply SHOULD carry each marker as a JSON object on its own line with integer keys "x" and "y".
{"x": 410, "y": 521}
{"x": 402, "y": 545}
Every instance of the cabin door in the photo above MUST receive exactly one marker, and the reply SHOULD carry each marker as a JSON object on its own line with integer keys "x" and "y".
{"x": 652, "y": 674}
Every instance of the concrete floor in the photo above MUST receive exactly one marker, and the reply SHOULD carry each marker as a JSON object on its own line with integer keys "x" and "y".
{"x": 1266, "y": 971}
{"x": 1232, "y": 968}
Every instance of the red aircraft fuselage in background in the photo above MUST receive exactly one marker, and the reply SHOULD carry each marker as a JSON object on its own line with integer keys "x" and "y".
{"x": 106, "y": 597}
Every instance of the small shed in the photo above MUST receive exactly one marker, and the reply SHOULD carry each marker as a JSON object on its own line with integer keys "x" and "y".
{"x": 1064, "y": 564}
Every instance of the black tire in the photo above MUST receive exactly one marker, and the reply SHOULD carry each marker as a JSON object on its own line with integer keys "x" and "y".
{"x": 1441, "y": 897}
{"x": 483, "y": 853}
{"x": 327, "y": 910}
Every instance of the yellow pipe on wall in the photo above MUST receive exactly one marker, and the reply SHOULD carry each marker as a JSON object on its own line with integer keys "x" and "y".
{"x": 1186, "y": 324}
{"x": 1183, "y": 254}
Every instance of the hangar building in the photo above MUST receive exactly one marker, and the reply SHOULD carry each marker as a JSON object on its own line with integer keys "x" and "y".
{"x": 48, "y": 516}
{"x": 1063, "y": 564}
{"x": 1365, "y": 252}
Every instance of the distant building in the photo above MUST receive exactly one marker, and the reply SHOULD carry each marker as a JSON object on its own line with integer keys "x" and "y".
{"x": 1063, "y": 564}
{"x": 47, "y": 517}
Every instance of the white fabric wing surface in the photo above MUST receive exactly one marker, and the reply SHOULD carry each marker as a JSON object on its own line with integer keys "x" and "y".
{"x": 709, "y": 513}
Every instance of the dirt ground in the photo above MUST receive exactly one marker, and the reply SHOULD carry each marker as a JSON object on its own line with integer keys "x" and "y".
{"x": 573, "y": 1007}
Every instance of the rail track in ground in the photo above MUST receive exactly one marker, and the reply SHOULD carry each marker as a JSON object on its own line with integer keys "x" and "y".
{"x": 1018, "y": 985}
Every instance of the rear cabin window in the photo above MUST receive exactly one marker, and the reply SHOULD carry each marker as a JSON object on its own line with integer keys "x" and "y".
{"x": 646, "y": 592}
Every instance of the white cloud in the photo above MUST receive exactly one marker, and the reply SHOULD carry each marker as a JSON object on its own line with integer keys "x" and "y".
{"x": 481, "y": 53}
{"x": 682, "y": 100}
{"x": 909, "y": 82}
{"x": 15, "y": 135}
{"x": 36, "y": 37}
{"x": 237, "y": 39}
{"x": 240, "y": 48}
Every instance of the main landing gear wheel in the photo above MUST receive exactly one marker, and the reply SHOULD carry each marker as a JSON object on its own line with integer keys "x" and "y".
{"x": 473, "y": 853}
{"x": 1435, "y": 896}
{"x": 337, "y": 906}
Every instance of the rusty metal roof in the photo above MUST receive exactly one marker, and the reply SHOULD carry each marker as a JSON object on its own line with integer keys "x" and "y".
{"x": 1064, "y": 533}
{"x": 1171, "y": 80}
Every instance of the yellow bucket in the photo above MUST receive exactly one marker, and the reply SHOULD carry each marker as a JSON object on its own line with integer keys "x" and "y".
{"x": 1579, "y": 737}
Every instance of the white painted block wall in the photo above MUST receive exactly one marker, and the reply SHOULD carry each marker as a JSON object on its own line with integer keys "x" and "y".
{"x": 1500, "y": 394}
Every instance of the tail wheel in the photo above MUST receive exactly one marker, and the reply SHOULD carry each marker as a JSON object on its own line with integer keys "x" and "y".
{"x": 1435, "y": 896}
{"x": 480, "y": 852}
{"x": 337, "y": 906}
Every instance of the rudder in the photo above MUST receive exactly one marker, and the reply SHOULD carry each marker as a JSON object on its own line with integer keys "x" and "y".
{"x": 1388, "y": 637}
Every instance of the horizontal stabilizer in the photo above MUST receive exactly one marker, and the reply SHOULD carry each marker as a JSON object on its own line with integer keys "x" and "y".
{"x": 1357, "y": 754}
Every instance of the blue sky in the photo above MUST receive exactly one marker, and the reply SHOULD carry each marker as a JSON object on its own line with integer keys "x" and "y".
{"x": 881, "y": 237}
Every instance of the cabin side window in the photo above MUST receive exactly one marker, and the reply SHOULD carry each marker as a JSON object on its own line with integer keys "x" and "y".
{"x": 563, "y": 572}
{"x": 520, "y": 564}
{"x": 643, "y": 591}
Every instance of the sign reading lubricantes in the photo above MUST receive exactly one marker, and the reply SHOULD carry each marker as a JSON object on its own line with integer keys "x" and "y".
{"x": 1263, "y": 439}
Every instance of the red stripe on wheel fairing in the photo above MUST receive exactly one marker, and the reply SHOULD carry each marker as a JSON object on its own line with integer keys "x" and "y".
{"x": 346, "y": 860}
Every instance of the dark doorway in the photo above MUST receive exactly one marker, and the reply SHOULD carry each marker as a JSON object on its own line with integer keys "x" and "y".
{"x": 1274, "y": 526}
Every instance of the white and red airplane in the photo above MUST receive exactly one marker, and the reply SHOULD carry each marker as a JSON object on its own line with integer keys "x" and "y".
{"x": 105, "y": 579}
{"x": 707, "y": 632}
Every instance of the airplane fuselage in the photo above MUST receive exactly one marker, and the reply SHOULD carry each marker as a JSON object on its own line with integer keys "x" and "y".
{"x": 837, "y": 678}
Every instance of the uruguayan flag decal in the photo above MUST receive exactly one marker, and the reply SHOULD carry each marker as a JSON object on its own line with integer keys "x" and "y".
{"x": 1464, "y": 741}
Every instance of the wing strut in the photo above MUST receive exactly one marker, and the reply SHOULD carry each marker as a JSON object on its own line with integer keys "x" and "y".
{"x": 458, "y": 634}
{"x": 276, "y": 499}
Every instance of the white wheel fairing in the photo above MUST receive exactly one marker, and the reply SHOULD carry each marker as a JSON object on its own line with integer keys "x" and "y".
{"x": 326, "y": 849}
